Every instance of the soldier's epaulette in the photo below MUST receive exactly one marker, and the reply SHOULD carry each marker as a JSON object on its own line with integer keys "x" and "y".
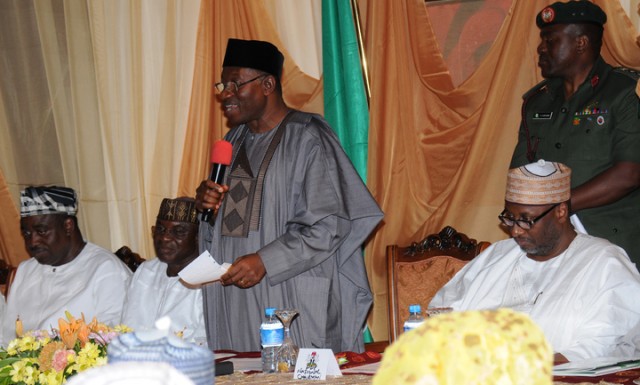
{"x": 630, "y": 72}
{"x": 536, "y": 89}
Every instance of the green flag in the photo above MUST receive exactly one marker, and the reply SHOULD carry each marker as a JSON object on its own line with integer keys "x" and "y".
{"x": 345, "y": 101}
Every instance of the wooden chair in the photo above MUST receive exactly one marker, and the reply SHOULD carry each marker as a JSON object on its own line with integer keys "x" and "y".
{"x": 415, "y": 273}
{"x": 131, "y": 259}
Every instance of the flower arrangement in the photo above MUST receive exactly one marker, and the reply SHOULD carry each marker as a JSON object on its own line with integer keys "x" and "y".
{"x": 44, "y": 357}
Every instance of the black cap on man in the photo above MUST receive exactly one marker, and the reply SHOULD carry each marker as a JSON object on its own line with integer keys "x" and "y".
{"x": 256, "y": 54}
{"x": 572, "y": 12}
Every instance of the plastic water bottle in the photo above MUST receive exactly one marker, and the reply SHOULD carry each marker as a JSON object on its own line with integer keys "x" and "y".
{"x": 271, "y": 336}
{"x": 415, "y": 318}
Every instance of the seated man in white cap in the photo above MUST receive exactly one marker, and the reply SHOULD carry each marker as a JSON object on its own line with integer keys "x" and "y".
{"x": 581, "y": 290}
{"x": 65, "y": 272}
{"x": 156, "y": 290}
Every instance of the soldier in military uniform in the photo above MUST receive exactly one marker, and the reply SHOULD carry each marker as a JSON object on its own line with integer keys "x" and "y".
{"x": 586, "y": 114}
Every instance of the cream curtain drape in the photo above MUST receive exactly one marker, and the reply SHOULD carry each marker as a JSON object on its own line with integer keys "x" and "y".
{"x": 101, "y": 99}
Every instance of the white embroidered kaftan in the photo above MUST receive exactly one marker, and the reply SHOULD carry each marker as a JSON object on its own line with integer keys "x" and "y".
{"x": 152, "y": 295}
{"x": 582, "y": 299}
{"x": 93, "y": 284}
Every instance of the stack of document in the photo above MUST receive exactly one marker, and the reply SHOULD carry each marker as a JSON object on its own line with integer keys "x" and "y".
{"x": 596, "y": 366}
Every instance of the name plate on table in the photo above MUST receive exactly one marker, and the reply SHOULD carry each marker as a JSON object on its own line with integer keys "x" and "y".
{"x": 316, "y": 364}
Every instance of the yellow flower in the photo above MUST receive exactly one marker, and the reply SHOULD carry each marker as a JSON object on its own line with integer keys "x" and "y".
{"x": 71, "y": 359}
{"x": 51, "y": 378}
{"x": 12, "y": 348}
{"x": 101, "y": 361}
{"x": 24, "y": 371}
{"x": 89, "y": 356}
{"x": 28, "y": 343}
{"x": 122, "y": 329}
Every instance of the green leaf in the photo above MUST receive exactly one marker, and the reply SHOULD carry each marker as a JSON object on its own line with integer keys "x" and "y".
{"x": 5, "y": 363}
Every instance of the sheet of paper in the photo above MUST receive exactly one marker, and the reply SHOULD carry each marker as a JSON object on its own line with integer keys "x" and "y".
{"x": 220, "y": 356}
{"x": 203, "y": 269}
{"x": 596, "y": 366}
{"x": 577, "y": 224}
{"x": 371, "y": 368}
{"x": 246, "y": 364}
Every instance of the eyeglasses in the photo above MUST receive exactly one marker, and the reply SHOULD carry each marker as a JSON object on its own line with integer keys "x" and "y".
{"x": 234, "y": 86}
{"x": 525, "y": 224}
{"x": 176, "y": 232}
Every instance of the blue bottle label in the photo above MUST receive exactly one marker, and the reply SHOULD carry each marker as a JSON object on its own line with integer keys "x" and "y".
{"x": 410, "y": 325}
{"x": 271, "y": 334}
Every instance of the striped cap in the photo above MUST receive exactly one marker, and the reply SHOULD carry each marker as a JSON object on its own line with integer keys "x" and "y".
{"x": 539, "y": 183}
{"x": 43, "y": 200}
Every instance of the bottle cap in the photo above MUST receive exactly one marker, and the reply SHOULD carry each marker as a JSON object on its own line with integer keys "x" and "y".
{"x": 269, "y": 311}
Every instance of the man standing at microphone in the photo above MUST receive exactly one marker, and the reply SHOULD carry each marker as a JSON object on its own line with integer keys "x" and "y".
{"x": 291, "y": 217}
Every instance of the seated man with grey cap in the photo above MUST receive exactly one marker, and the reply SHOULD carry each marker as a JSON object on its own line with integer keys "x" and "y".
{"x": 65, "y": 272}
{"x": 156, "y": 290}
{"x": 581, "y": 290}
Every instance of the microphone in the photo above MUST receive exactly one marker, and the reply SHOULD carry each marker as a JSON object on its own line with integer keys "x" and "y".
{"x": 220, "y": 158}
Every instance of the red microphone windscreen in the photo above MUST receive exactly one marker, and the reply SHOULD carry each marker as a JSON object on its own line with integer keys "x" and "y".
{"x": 221, "y": 152}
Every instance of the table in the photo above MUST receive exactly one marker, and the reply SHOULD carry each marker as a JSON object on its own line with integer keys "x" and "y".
{"x": 240, "y": 378}
{"x": 625, "y": 377}
{"x": 352, "y": 361}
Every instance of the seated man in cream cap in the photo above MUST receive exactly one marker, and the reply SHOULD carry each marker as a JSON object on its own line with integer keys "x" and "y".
{"x": 156, "y": 290}
{"x": 581, "y": 290}
{"x": 65, "y": 272}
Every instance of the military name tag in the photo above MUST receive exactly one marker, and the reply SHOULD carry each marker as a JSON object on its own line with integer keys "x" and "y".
{"x": 542, "y": 115}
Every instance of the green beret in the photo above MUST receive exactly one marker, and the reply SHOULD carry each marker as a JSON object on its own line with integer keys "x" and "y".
{"x": 572, "y": 12}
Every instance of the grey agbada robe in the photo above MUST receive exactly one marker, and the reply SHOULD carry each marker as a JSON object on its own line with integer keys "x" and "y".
{"x": 316, "y": 213}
